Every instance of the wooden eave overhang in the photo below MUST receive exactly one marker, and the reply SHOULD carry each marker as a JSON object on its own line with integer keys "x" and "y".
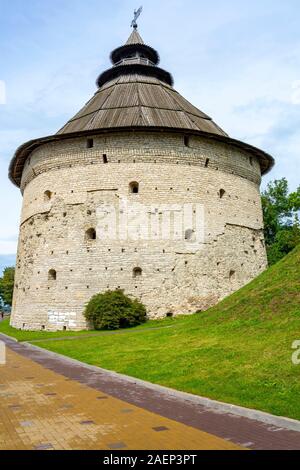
{"x": 18, "y": 161}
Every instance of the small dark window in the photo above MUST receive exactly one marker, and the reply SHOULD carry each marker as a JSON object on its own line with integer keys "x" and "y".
{"x": 47, "y": 196}
{"x": 52, "y": 275}
{"x": 222, "y": 193}
{"x": 65, "y": 328}
{"x": 189, "y": 233}
{"x": 90, "y": 234}
{"x": 90, "y": 143}
{"x": 137, "y": 272}
{"x": 134, "y": 187}
{"x": 186, "y": 140}
{"x": 169, "y": 314}
{"x": 43, "y": 327}
{"x": 251, "y": 161}
{"x": 231, "y": 274}
{"x": 105, "y": 159}
{"x": 206, "y": 162}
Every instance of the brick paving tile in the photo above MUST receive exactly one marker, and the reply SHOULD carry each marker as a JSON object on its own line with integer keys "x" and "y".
{"x": 71, "y": 415}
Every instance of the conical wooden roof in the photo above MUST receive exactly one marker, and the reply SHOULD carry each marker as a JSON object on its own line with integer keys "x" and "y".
{"x": 135, "y": 94}
{"x": 135, "y": 38}
{"x": 139, "y": 100}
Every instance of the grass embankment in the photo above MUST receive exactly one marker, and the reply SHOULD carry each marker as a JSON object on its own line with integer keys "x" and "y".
{"x": 238, "y": 352}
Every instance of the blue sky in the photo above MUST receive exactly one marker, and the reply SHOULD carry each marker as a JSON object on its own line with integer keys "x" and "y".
{"x": 238, "y": 61}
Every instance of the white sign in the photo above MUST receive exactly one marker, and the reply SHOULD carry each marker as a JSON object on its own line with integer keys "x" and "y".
{"x": 62, "y": 318}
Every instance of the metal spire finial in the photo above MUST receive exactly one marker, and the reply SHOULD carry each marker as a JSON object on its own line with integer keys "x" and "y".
{"x": 136, "y": 15}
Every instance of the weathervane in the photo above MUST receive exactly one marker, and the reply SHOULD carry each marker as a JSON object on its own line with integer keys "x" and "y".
{"x": 136, "y": 15}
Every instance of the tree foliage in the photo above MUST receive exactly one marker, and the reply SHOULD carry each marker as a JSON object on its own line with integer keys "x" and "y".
{"x": 113, "y": 310}
{"x": 7, "y": 285}
{"x": 280, "y": 210}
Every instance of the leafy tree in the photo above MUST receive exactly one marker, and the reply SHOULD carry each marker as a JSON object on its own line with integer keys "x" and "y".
{"x": 113, "y": 310}
{"x": 280, "y": 210}
{"x": 7, "y": 285}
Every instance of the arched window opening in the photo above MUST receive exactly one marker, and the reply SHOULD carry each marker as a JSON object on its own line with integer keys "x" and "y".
{"x": 52, "y": 275}
{"x": 134, "y": 187}
{"x": 137, "y": 272}
{"x": 206, "y": 163}
{"x": 222, "y": 193}
{"x": 47, "y": 196}
{"x": 90, "y": 234}
{"x": 105, "y": 160}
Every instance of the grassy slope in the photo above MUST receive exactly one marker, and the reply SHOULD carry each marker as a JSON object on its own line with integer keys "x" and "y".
{"x": 238, "y": 352}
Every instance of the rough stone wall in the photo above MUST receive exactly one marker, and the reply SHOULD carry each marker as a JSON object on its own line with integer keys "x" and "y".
{"x": 178, "y": 276}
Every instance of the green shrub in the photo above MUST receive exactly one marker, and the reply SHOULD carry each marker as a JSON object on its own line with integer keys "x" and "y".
{"x": 113, "y": 309}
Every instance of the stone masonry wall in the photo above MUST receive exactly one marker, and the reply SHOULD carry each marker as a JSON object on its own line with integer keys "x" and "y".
{"x": 69, "y": 189}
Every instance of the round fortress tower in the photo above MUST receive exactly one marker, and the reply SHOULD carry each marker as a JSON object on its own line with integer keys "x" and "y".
{"x": 139, "y": 191}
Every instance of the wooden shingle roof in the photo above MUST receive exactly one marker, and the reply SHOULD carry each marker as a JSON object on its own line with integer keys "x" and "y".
{"x": 135, "y": 94}
{"x": 139, "y": 100}
{"x": 135, "y": 38}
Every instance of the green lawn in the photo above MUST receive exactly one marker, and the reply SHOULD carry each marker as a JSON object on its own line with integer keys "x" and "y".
{"x": 238, "y": 352}
{"x": 22, "y": 335}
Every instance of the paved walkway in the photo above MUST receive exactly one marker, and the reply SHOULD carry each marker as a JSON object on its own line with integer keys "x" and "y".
{"x": 49, "y": 402}
{"x": 41, "y": 409}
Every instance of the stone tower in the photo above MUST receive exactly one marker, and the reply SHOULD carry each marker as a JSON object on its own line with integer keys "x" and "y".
{"x": 140, "y": 191}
